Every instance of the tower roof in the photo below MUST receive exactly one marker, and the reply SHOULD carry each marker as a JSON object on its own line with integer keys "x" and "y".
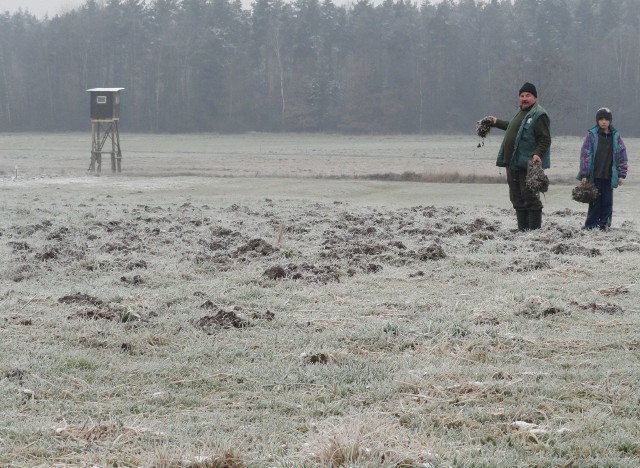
{"x": 105, "y": 89}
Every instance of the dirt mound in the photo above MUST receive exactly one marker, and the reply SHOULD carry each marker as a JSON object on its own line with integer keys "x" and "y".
{"x": 258, "y": 246}
{"x": 80, "y": 298}
{"x": 608, "y": 308}
{"x": 276, "y": 272}
{"x": 567, "y": 249}
{"x": 223, "y": 319}
{"x": 432, "y": 252}
{"x": 322, "y": 274}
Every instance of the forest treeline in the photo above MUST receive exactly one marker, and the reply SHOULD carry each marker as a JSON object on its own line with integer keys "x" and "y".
{"x": 307, "y": 65}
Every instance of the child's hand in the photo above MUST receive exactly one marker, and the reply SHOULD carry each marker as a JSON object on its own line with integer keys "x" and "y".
{"x": 620, "y": 181}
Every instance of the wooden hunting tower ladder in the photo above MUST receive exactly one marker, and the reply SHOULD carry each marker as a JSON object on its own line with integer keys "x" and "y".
{"x": 105, "y": 108}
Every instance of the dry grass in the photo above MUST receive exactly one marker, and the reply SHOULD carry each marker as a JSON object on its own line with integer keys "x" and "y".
{"x": 379, "y": 324}
{"x": 454, "y": 177}
{"x": 442, "y": 178}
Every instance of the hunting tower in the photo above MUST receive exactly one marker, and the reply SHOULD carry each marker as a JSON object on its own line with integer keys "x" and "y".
{"x": 105, "y": 109}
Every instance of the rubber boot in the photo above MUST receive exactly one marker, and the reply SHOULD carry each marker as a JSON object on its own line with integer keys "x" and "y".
{"x": 523, "y": 220}
{"x": 534, "y": 219}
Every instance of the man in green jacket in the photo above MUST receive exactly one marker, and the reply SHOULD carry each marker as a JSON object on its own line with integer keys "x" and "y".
{"x": 527, "y": 138}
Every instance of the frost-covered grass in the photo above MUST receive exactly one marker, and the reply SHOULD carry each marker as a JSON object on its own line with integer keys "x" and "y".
{"x": 376, "y": 324}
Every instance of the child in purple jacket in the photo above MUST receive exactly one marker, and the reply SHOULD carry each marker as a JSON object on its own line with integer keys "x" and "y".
{"x": 603, "y": 161}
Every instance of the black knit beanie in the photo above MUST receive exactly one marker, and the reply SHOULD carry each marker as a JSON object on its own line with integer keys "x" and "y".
{"x": 604, "y": 113}
{"x": 528, "y": 88}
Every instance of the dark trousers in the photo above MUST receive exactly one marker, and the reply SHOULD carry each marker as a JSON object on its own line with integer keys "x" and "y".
{"x": 601, "y": 209}
{"x": 522, "y": 198}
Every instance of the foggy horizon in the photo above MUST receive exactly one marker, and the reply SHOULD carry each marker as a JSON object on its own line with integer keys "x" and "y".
{"x": 383, "y": 67}
{"x": 40, "y": 8}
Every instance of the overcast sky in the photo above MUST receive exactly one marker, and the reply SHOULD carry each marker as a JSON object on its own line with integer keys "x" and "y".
{"x": 53, "y": 7}
{"x": 40, "y": 7}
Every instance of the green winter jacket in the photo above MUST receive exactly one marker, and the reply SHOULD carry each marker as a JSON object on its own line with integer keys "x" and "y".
{"x": 525, "y": 144}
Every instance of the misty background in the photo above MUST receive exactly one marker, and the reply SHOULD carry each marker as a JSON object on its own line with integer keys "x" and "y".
{"x": 39, "y": 8}
{"x": 316, "y": 66}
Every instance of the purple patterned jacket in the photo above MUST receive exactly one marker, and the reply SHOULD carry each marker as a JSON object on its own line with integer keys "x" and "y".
{"x": 588, "y": 153}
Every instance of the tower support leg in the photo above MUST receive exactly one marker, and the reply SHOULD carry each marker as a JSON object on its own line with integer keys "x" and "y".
{"x": 98, "y": 139}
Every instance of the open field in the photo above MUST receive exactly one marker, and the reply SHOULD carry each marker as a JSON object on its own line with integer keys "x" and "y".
{"x": 291, "y": 155}
{"x": 258, "y": 301}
